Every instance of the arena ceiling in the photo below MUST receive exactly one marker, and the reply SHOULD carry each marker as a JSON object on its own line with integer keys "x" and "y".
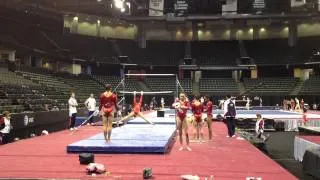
{"x": 94, "y": 7}
{"x": 104, "y": 8}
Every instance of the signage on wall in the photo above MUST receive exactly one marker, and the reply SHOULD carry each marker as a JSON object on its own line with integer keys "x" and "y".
{"x": 181, "y": 6}
{"x": 28, "y": 120}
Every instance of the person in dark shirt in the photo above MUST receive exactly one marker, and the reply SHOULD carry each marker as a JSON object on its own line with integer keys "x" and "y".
{"x": 230, "y": 114}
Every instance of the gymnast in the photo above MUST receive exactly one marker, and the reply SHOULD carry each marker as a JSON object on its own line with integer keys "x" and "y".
{"x": 137, "y": 103}
{"x": 197, "y": 109}
{"x": 108, "y": 102}
{"x": 208, "y": 108}
{"x": 182, "y": 105}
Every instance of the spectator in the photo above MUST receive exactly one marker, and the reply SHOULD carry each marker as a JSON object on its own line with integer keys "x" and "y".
{"x": 90, "y": 104}
{"x": 5, "y": 131}
{"x": 304, "y": 116}
{"x": 260, "y": 128}
{"x": 72, "y": 111}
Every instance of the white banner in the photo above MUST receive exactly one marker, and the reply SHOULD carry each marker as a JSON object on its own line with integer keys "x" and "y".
{"x": 297, "y": 3}
{"x": 230, "y": 7}
{"x": 156, "y": 7}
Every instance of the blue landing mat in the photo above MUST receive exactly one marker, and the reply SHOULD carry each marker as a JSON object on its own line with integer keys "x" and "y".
{"x": 131, "y": 138}
{"x": 263, "y": 112}
{"x": 158, "y": 120}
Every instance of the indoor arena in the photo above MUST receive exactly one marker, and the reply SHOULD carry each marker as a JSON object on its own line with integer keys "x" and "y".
{"x": 160, "y": 89}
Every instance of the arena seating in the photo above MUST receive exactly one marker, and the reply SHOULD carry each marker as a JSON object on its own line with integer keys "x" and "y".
{"x": 86, "y": 47}
{"x": 161, "y": 83}
{"x": 156, "y": 52}
{"x": 311, "y": 86}
{"x": 8, "y": 77}
{"x": 82, "y": 85}
{"x": 64, "y": 83}
{"x": 35, "y": 89}
{"x": 270, "y": 86}
{"x": 281, "y": 52}
{"x": 167, "y": 84}
{"x": 215, "y": 52}
{"x": 21, "y": 93}
{"x": 187, "y": 85}
{"x": 218, "y": 86}
{"x": 131, "y": 83}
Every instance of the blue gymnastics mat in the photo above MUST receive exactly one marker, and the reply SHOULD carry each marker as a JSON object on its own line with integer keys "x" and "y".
{"x": 131, "y": 138}
{"x": 157, "y": 120}
{"x": 263, "y": 112}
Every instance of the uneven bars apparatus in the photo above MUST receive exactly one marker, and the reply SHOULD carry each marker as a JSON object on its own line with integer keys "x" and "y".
{"x": 177, "y": 84}
{"x": 150, "y": 74}
{"x": 146, "y": 92}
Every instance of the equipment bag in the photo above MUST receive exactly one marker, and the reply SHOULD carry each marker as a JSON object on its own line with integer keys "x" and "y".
{"x": 86, "y": 158}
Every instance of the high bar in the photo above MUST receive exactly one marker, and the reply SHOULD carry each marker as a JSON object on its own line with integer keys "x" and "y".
{"x": 150, "y": 74}
{"x": 146, "y": 92}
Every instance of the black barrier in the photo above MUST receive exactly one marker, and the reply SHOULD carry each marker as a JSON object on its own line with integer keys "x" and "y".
{"x": 24, "y": 124}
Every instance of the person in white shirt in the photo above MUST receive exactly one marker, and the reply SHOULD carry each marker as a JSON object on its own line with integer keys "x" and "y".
{"x": 5, "y": 131}
{"x": 162, "y": 102}
{"x": 91, "y": 103}
{"x": 260, "y": 128}
{"x": 72, "y": 111}
{"x": 248, "y": 103}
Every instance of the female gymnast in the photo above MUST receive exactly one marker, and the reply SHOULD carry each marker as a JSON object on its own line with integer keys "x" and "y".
{"x": 297, "y": 108}
{"x": 137, "y": 103}
{"x": 209, "y": 106}
{"x": 197, "y": 109}
{"x": 182, "y": 105}
{"x": 108, "y": 101}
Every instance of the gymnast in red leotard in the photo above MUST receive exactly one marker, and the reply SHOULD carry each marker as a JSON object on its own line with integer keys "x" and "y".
{"x": 137, "y": 103}
{"x": 208, "y": 108}
{"x": 182, "y": 105}
{"x": 197, "y": 109}
{"x": 108, "y": 102}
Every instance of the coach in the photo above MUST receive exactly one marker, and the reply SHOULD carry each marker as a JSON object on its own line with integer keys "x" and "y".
{"x": 229, "y": 109}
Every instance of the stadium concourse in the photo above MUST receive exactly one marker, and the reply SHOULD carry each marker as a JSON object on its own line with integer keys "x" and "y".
{"x": 222, "y": 158}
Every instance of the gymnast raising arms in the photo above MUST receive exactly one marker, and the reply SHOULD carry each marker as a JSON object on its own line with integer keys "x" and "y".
{"x": 182, "y": 105}
{"x": 108, "y": 102}
{"x": 137, "y": 103}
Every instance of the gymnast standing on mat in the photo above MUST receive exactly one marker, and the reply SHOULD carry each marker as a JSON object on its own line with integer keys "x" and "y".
{"x": 208, "y": 108}
{"x": 197, "y": 109}
{"x": 137, "y": 103}
{"x": 108, "y": 102}
{"x": 182, "y": 105}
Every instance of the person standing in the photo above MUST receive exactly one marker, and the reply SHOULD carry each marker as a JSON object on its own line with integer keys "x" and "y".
{"x": 248, "y": 103}
{"x": 302, "y": 104}
{"x": 259, "y": 126}
{"x": 162, "y": 103}
{"x": 230, "y": 114}
{"x": 181, "y": 106}
{"x": 197, "y": 110}
{"x": 297, "y": 108}
{"x": 73, "y": 104}
{"x": 304, "y": 117}
{"x": 5, "y": 131}
{"x": 108, "y": 105}
{"x": 208, "y": 108}
{"x": 91, "y": 103}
